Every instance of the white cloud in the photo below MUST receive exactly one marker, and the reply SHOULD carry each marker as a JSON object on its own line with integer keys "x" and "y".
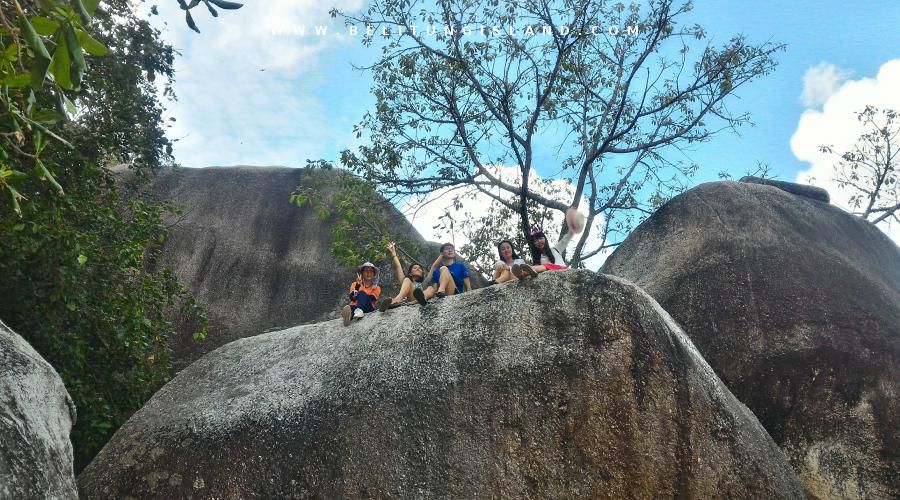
{"x": 434, "y": 206}
{"x": 836, "y": 125}
{"x": 247, "y": 95}
{"x": 821, "y": 82}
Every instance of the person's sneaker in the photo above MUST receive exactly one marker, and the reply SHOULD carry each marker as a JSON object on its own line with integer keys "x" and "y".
{"x": 528, "y": 270}
{"x": 358, "y": 314}
{"x": 384, "y": 304}
{"x": 347, "y": 313}
{"x": 517, "y": 271}
{"x": 420, "y": 296}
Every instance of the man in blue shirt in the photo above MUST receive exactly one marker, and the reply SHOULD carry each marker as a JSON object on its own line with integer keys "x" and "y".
{"x": 448, "y": 276}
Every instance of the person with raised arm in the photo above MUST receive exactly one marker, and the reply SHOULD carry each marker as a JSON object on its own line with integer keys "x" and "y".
{"x": 413, "y": 279}
{"x": 545, "y": 257}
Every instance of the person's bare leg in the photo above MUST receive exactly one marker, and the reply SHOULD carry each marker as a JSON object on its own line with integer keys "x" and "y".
{"x": 405, "y": 291}
{"x": 505, "y": 276}
{"x": 430, "y": 292}
{"x": 539, "y": 268}
{"x": 446, "y": 283}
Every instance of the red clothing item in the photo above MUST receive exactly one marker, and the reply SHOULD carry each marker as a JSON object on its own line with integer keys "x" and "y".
{"x": 372, "y": 291}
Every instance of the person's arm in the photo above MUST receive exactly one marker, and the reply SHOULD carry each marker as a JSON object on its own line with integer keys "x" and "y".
{"x": 564, "y": 242}
{"x": 429, "y": 277}
{"x": 467, "y": 283}
{"x": 398, "y": 267}
{"x": 436, "y": 264}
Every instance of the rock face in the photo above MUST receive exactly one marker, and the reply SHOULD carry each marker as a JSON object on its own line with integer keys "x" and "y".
{"x": 573, "y": 385}
{"x": 252, "y": 260}
{"x": 806, "y": 190}
{"x": 796, "y": 305}
{"x": 36, "y": 415}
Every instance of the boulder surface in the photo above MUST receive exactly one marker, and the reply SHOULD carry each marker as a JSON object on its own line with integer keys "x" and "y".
{"x": 571, "y": 385}
{"x": 796, "y": 305}
{"x": 36, "y": 416}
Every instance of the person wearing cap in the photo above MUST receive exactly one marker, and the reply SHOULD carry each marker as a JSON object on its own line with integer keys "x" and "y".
{"x": 449, "y": 276}
{"x": 363, "y": 293}
{"x": 543, "y": 256}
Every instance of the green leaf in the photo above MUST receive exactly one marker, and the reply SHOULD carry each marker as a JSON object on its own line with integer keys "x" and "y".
{"x": 14, "y": 196}
{"x": 224, "y": 4}
{"x": 68, "y": 105}
{"x": 76, "y": 54}
{"x": 15, "y": 176}
{"x": 90, "y": 6}
{"x": 39, "y": 72}
{"x": 45, "y": 174}
{"x": 72, "y": 307}
{"x": 12, "y": 52}
{"x": 47, "y": 116}
{"x": 17, "y": 81}
{"x": 60, "y": 64}
{"x": 82, "y": 12}
{"x": 82, "y": 259}
{"x": 33, "y": 39}
{"x": 44, "y": 26}
{"x": 91, "y": 45}
{"x": 190, "y": 21}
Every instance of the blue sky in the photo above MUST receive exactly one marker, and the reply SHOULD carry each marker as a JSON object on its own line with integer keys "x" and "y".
{"x": 247, "y": 96}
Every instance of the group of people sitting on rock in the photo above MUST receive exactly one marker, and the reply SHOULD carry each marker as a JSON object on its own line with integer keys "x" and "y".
{"x": 449, "y": 275}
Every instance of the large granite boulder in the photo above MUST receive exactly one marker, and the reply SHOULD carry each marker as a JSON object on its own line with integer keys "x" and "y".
{"x": 572, "y": 385}
{"x": 796, "y": 305}
{"x": 36, "y": 415}
{"x": 252, "y": 259}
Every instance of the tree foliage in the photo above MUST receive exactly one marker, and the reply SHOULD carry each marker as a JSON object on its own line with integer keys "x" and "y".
{"x": 77, "y": 271}
{"x": 43, "y": 45}
{"x": 613, "y": 91}
{"x": 869, "y": 168}
{"x": 362, "y": 221}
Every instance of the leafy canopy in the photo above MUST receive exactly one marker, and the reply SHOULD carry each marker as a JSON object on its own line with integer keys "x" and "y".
{"x": 614, "y": 92}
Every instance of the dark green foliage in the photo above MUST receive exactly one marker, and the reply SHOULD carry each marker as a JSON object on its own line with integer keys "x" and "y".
{"x": 76, "y": 270}
{"x": 363, "y": 221}
{"x": 75, "y": 282}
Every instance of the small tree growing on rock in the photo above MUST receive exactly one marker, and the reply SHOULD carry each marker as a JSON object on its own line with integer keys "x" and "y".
{"x": 869, "y": 168}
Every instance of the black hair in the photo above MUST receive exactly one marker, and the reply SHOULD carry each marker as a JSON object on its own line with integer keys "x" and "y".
{"x": 535, "y": 252}
{"x": 409, "y": 270}
{"x": 445, "y": 245}
{"x": 514, "y": 254}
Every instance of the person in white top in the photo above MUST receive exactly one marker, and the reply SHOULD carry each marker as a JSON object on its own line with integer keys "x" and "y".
{"x": 549, "y": 258}
{"x": 543, "y": 256}
{"x": 508, "y": 259}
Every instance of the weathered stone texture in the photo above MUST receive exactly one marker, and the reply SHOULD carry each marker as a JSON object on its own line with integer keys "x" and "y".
{"x": 36, "y": 416}
{"x": 796, "y": 305}
{"x": 571, "y": 385}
